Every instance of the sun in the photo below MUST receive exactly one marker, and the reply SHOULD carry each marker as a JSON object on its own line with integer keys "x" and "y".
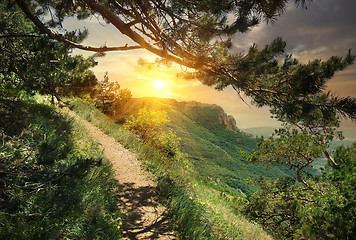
{"x": 159, "y": 84}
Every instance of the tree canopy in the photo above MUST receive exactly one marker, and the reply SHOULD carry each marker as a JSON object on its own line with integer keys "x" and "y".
{"x": 198, "y": 34}
{"x": 31, "y": 61}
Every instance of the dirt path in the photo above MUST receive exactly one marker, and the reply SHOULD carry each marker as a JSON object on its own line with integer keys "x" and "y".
{"x": 144, "y": 217}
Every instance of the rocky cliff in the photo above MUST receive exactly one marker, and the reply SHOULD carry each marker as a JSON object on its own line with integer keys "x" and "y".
{"x": 228, "y": 120}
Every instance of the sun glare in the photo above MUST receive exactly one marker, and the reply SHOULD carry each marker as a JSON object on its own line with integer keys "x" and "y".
{"x": 159, "y": 84}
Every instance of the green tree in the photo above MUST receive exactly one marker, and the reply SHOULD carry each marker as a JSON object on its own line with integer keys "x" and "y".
{"x": 109, "y": 97}
{"x": 148, "y": 125}
{"x": 32, "y": 61}
{"x": 105, "y": 93}
{"x": 290, "y": 211}
{"x": 294, "y": 148}
{"x": 125, "y": 95}
{"x": 341, "y": 206}
{"x": 198, "y": 34}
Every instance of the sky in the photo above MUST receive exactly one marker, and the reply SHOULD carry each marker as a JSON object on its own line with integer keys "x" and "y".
{"x": 325, "y": 29}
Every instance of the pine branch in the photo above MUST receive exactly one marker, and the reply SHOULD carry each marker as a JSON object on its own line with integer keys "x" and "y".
{"x": 346, "y": 107}
{"x": 60, "y": 38}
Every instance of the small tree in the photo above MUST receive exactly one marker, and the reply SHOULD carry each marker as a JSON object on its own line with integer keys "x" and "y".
{"x": 125, "y": 95}
{"x": 119, "y": 104}
{"x": 109, "y": 97}
{"x": 148, "y": 125}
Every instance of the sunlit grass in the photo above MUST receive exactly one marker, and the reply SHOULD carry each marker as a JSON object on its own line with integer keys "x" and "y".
{"x": 60, "y": 186}
{"x": 197, "y": 210}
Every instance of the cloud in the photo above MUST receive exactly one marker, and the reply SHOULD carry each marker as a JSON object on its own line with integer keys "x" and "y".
{"x": 325, "y": 29}
{"x": 328, "y": 25}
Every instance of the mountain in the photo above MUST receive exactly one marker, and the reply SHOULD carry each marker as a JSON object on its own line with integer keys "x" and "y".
{"x": 212, "y": 141}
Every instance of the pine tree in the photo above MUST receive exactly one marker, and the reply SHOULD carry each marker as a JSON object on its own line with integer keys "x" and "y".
{"x": 31, "y": 61}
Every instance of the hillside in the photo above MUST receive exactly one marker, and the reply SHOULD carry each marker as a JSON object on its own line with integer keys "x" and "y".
{"x": 197, "y": 209}
{"x": 54, "y": 181}
{"x": 211, "y": 140}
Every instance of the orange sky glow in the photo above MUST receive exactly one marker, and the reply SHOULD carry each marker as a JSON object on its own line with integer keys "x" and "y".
{"x": 307, "y": 41}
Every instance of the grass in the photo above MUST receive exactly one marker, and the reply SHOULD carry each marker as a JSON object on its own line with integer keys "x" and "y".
{"x": 197, "y": 209}
{"x": 216, "y": 151}
{"x": 55, "y": 182}
{"x": 106, "y": 124}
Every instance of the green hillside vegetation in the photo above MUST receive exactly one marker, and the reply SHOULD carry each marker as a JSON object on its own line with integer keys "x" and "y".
{"x": 212, "y": 148}
{"x": 288, "y": 207}
{"x": 197, "y": 210}
{"x": 55, "y": 183}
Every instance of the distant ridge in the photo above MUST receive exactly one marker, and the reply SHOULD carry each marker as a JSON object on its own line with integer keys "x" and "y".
{"x": 260, "y": 131}
{"x": 166, "y": 103}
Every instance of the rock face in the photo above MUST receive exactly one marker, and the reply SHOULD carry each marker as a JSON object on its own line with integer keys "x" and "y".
{"x": 228, "y": 120}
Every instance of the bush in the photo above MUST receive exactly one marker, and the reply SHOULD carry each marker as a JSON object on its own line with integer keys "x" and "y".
{"x": 147, "y": 124}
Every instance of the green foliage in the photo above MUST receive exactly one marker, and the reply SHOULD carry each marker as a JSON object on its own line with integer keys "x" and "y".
{"x": 54, "y": 181}
{"x": 169, "y": 144}
{"x": 32, "y": 62}
{"x": 147, "y": 124}
{"x": 196, "y": 34}
{"x": 109, "y": 98}
{"x": 294, "y": 92}
{"x": 276, "y": 207}
{"x": 293, "y": 148}
{"x": 341, "y": 206}
{"x": 290, "y": 211}
{"x": 198, "y": 211}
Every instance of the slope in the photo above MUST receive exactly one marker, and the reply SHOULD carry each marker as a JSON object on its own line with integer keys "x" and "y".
{"x": 54, "y": 181}
{"x": 212, "y": 141}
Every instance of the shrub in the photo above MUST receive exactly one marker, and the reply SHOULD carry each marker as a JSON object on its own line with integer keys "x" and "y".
{"x": 147, "y": 124}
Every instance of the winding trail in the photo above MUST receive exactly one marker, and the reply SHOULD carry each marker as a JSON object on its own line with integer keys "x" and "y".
{"x": 144, "y": 217}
